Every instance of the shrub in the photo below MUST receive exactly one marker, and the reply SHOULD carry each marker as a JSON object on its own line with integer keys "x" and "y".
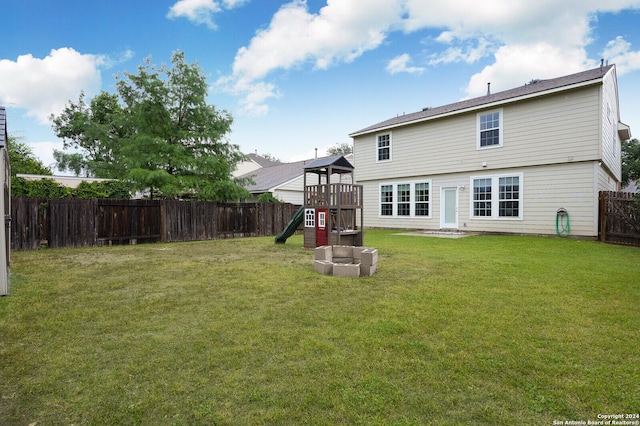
{"x": 42, "y": 188}
{"x": 267, "y": 197}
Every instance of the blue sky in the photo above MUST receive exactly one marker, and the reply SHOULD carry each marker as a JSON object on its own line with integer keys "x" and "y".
{"x": 300, "y": 75}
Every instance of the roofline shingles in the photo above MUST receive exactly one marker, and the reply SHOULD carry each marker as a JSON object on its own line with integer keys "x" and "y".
{"x": 536, "y": 86}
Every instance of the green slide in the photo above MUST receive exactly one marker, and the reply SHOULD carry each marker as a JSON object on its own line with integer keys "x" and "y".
{"x": 293, "y": 224}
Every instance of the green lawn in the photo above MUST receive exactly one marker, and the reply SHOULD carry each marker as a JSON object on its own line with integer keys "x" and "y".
{"x": 480, "y": 330}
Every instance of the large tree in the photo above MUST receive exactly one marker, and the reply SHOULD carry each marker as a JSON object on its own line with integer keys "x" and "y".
{"x": 22, "y": 159}
{"x": 342, "y": 148}
{"x": 630, "y": 161}
{"x": 157, "y": 131}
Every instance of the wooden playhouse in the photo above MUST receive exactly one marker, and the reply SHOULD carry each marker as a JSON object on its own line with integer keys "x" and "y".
{"x": 333, "y": 204}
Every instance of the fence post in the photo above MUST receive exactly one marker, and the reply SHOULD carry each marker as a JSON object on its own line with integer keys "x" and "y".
{"x": 257, "y": 219}
{"x": 163, "y": 206}
{"x": 602, "y": 198}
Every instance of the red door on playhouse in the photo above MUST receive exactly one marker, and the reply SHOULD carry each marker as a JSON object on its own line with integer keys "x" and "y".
{"x": 322, "y": 233}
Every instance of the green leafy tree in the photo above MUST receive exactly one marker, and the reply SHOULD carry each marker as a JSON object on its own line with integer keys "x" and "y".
{"x": 267, "y": 197}
{"x": 270, "y": 157}
{"x": 158, "y": 132}
{"x": 23, "y": 160}
{"x": 116, "y": 189}
{"x": 96, "y": 130}
{"x": 41, "y": 188}
{"x": 630, "y": 161}
{"x": 342, "y": 148}
{"x": 19, "y": 187}
{"x": 102, "y": 189}
{"x": 70, "y": 162}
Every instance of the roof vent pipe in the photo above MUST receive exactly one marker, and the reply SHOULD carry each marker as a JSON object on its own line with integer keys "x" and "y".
{"x": 488, "y": 89}
{"x": 601, "y": 64}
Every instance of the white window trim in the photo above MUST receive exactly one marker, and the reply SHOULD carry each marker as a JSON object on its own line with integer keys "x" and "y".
{"x": 412, "y": 203}
{"x": 322, "y": 220}
{"x": 310, "y": 218}
{"x": 495, "y": 197}
{"x": 393, "y": 202}
{"x": 500, "y": 130}
{"x": 378, "y": 148}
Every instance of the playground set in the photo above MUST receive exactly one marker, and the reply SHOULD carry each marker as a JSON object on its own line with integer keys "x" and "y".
{"x": 332, "y": 216}
{"x": 332, "y": 211}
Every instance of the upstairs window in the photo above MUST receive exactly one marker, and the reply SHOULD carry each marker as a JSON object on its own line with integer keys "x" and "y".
{"x": 384, "y": 147}
{"x": 490, "y": 129}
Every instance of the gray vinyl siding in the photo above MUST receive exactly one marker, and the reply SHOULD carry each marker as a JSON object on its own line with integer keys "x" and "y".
{"x": 545, "y": 189}
{"x": 554, "y": 129}
{"x": 291, "y": 191}
{"x": 605, "y": 181}
{"x": 611, "y": 144}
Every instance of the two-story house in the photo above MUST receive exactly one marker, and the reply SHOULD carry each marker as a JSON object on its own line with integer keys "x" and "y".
{"x": 506, "y": 162}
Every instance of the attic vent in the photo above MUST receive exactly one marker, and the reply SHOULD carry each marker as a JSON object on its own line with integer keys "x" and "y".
{"x": 426, "y": 108}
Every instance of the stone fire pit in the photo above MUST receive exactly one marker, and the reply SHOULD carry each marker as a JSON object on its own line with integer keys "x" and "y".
{"x": 345, "y": 261}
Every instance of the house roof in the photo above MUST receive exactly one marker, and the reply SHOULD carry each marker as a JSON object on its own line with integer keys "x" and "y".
{"x": 534, "y": 88}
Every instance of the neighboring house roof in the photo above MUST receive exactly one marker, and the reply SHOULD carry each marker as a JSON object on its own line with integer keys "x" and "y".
{"x": 267, "y": 178}
{"x": 251, "y": 163}
{"x": 68, "y": 181}
{"x": 262, "y": 161}
{"x": 534, "y": 88}
{"x": 633, "y": 186}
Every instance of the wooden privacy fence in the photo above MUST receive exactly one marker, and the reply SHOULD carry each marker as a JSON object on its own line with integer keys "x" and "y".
{"x": 80, "y": 223}
{"x": 619, "y": 218}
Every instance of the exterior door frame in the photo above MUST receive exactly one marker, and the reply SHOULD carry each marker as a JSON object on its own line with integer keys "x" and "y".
{"x": 445, "y": 208}
{"x": 322, "y": 230}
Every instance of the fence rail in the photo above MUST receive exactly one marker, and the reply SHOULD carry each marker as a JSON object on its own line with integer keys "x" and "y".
{"x": 38, "y": 222}
{"x": 619, "y": 218}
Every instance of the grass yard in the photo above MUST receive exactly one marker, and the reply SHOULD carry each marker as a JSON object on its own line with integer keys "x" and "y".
{"x": 497, "y": 330}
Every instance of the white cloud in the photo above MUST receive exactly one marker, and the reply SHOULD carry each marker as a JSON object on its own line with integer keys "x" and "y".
{"x": 527, "y": 40}
{"x": 201, "y": 11}
{"x": 619, "y": 52}
{"x": 472, "y": 52}
{"x": 44, "y": 152}
{"x": 516, "y": 65}
{"x": 400, "y": 64}
{"x": 340, "y": 32}
{"x": 513, "y": 21}
{"x": 44, "y": 86}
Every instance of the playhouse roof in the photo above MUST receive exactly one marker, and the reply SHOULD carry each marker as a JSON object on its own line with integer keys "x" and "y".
{"x": 337, "y": 163}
